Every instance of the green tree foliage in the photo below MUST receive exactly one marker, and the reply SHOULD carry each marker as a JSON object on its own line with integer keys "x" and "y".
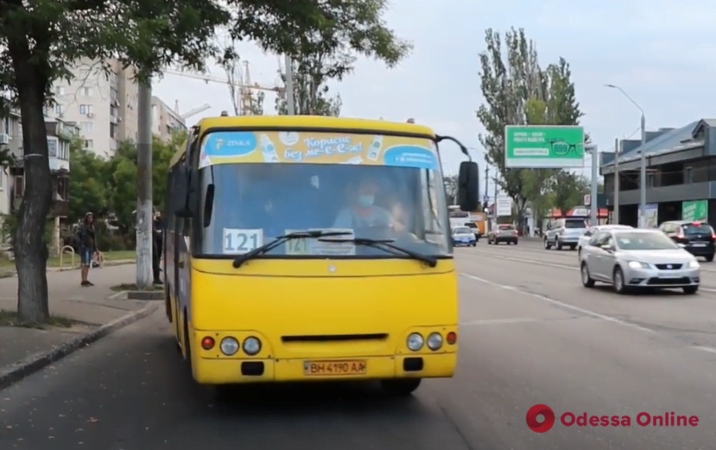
{"x": 41, "y": 39}
{"x": 311, "y": 95}
{"x": 450, "y": 182}
{"x": 319, "y": 61}
{"x": 88, "y": 182}
{"x": 518, "y": 91}
{"x": 108, "y": 187}
{"x": 568, "y": 190}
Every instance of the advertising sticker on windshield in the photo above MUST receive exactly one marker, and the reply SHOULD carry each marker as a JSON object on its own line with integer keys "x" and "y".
{"x": 231, "y": 147}
{"x": 323, "y": 246}
{"x": 314, "y": 247}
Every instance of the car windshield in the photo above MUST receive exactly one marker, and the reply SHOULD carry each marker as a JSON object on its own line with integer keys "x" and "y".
{"x": 574, "y": 224}
{"x": 697, "y": 228}
{"x": 644, "y": 241}
{"x": 462, "y": 230}
{"x": 471, "y": 225}
{"x": 506, "y": 227}
{"x": 246, "y": 205}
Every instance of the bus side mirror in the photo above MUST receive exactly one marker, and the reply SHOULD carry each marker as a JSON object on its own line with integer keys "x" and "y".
{"x": 467, "y": 186}
{"x": 181, "y": 191}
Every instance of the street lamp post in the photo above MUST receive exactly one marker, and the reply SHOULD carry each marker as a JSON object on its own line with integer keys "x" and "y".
{"x": 642, "y": 177}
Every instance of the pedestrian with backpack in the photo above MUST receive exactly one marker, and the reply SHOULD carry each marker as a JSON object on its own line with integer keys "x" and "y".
{"x": 87, "y": 246}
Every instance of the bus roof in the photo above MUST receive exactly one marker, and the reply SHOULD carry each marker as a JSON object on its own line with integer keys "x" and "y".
{"x": 315, "y": 122}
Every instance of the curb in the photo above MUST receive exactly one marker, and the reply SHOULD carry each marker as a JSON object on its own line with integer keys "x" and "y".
{"x": 145, "y": 295}
{"x": 39, "y": 361}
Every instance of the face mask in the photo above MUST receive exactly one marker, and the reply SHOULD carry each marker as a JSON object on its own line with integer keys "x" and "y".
{"x": 365, "y": 200}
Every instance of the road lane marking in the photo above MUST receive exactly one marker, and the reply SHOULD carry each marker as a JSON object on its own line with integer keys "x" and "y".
{"x": 705, "y": 349}
{"x": 529, "y": 261}
{"x": 558, "y": 303}
{"x": 499, "y": 321}
{"x": 557, "y": 265}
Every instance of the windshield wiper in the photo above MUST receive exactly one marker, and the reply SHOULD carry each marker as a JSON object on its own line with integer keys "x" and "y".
{"x": 281, "y": 239}
{"x": 387, "y": 246}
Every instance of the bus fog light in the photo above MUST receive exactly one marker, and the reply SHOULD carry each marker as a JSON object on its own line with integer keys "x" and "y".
{"x": 435, "y": 341}
{"x": 229, "y": 346}
{"x": 415, "y": 342}
{"x": 252, "y": 346}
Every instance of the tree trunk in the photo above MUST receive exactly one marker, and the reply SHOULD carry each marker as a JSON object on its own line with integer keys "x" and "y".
{"x": 30, "y": 247}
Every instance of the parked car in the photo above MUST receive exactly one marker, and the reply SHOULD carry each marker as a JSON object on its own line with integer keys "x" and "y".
{"x": 503, "y": 233}
{"x": 698, "y": 238}
{"x": 463, "y": 236}
{"x": 564, "y": 233}
{"x": 591, "y": 231}
{"x": 632, "y": 259}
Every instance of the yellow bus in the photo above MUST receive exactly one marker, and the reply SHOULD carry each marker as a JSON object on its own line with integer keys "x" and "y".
{"x": 306, "y": 248}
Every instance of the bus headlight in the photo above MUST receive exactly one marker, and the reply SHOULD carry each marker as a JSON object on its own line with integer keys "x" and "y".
{"x": 252, "y": 346}
{"x": 415, "y": 342}
{"x": 435, "y": 341}
{"x": 229, "y": 346}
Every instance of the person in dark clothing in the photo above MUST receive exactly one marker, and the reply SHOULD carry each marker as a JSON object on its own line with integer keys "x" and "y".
{"x": 87, "y": 246}
{"x": 157, "y": 247}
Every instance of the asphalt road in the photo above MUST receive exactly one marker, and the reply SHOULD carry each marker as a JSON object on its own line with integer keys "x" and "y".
{"x": 531, "y": 335}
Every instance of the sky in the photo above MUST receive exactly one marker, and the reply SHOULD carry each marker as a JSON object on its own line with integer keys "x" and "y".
{"x": 660, "y": 52}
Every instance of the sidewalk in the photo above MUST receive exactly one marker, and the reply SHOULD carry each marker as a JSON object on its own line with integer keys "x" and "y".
{"x": 92, "y": 307}
{"x": 6, "y": 272}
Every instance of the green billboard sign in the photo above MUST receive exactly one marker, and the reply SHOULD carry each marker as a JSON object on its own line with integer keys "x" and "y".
{"x": 544, "y": 147}
{"x": 695, "y": 211}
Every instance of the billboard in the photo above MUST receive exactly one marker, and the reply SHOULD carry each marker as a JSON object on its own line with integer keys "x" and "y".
{"x": 544, "y": 147}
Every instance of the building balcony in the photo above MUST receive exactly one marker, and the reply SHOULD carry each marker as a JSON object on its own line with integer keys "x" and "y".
{"x": 59, "y": 165}
{"x": 676, "y": 193}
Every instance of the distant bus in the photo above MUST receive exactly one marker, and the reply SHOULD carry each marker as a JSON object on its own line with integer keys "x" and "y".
{"x": 476, "y": 220}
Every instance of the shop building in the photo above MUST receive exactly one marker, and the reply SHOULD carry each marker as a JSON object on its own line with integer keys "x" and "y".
{"x": 681, "y": 175}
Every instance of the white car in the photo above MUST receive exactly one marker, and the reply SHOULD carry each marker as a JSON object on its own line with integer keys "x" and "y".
{"x": 633, "y": 259}
{"x": 584, "y": 239}
{"x": 463, "y": 236}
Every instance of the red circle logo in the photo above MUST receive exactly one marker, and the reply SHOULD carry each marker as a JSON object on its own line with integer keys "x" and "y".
{"x": 546, "y": 412}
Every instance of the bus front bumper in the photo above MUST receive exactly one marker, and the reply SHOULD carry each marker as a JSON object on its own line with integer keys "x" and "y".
{"x": 237, "y": 371}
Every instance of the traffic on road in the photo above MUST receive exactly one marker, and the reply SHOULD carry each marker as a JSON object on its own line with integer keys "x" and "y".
{"x": 530, "y": 334}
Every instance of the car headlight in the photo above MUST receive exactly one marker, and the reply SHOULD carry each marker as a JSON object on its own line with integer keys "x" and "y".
{"x": 415, "y": 342}
{"x": 435, "y": 341}
{"x": 252, "y": 346}
{"x": 229, "y": 346}
{"x": 638, "y": 265}
{"x": 694, "y": 264}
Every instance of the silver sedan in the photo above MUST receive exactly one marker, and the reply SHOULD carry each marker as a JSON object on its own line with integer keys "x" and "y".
{"x": 630, "y": 259}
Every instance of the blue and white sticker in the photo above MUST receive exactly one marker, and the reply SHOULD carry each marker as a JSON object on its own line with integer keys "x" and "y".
{"x": 410, "y": 156}
{"x": 226, "y": 144}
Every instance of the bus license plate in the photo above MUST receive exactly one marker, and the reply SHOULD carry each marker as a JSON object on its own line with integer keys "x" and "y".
{"x": 334, "y": 368}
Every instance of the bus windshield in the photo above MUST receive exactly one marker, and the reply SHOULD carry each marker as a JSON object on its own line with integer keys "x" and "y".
{"x": 255, "y": 203}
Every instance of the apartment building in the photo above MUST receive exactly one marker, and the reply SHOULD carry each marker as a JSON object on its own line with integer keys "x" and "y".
{"x": 59, "y": 137}
{"x": 10, "y": 138}
{"x": 165, "y": 120}
{"x": 102, "y": 103}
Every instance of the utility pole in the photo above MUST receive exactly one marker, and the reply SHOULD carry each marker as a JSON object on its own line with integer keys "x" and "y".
{"x": 642, "y": 178}
{"x": 593, "y": 216}
{"x": 615, "y": 213}
{"x": 144, "y": 186}
{"x": 487, "y": 179}
{"x": 290, "y": 99}
{"x": 494, "y": 202}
